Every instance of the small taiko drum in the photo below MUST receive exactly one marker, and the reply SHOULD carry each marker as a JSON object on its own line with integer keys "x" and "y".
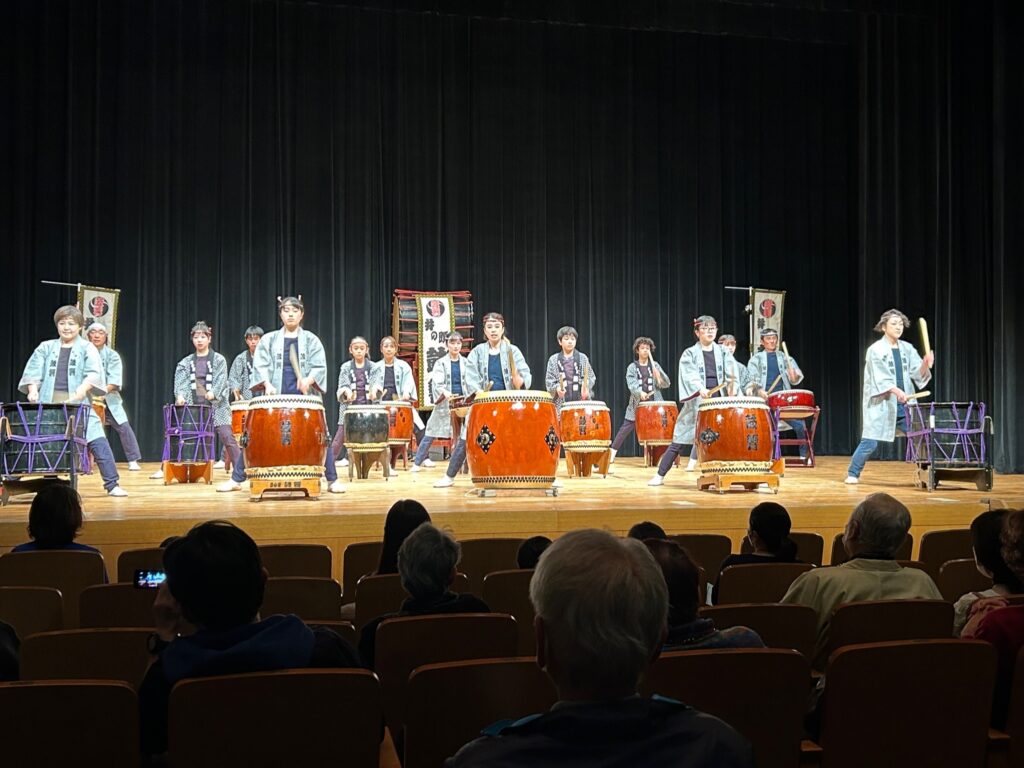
{"x": 99, "y": 407}
{"x": 366, "y": 428}
{"x": 655, "y": 421}
{"x": 798, "y": 403}
{"x": 586, "y": 426}
{"x": 43, "y": 438}
{"x": 512, "y": 439}
{"x": 399, "y": 421}
{"x": 734, "y": 435}
{"x": 239, "y": 409}
{"x": 285, "y": 437}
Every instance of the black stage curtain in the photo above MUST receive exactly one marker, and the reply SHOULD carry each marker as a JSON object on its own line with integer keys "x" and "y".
{"x": 608, "y": 165}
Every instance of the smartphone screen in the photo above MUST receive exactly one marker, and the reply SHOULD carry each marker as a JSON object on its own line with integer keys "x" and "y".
{"x": 149, "y": 579}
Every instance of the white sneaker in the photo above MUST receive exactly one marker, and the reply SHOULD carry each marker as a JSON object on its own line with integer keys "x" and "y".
{"x": 337, "y": 487}
{"x": 557, "y": 483}
{"x": 445, "y": 482}
{"x": 656, "y": 480}
{"x": 612, "y": 460}
{"x": 218, "y": 464}
{"x": 158, "y": 475}
{"x": 229, "y": 485}
{"x": 428, "y": 463}
{"x": 117, "y": 490}
{"x": 851, "y": 480}
{"x": 133, "y": 466}
{"x": 343, "y": 463}
{"x": 691, "y": 465}
{"x": 414, "y": 468}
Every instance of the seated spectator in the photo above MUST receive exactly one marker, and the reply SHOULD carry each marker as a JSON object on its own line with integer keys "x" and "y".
{"x": 54, "y": 521}
{"x": 994, "y": 620}
{"x": 428, "y": 561}
{"x": 215, "y": 581}
{"x": 404, "y": 517}
{"x": 646, "y": 530}
{"x": 768, "y": 534}
{"x": 686, "y": 631}
{"x": 875, "y": 531}
{"x": 601, "y": 606}
{"x": 530, "y": 551}
{"x": 985, "y": 539}
{"x": 9, "y": 645}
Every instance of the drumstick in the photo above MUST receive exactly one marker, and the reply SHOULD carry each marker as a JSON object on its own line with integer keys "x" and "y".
{"x": 916, "y": 395}
{"x": 774, "y": 384}
{"x": 923, "y": 326}
{"x": 511, "y": 365}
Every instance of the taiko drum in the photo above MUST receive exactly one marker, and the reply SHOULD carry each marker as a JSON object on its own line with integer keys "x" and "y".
{"x": 285, "y": 436}
{"x": 239, "y": 409}
{"x": 734, "y": 435}
{"x": 586, "y": 426}
{"x": 512, "y": 439}
{"x": 799, "y": 403}
{"x": 655, "y": 421}
{"x": 399, "y": 421}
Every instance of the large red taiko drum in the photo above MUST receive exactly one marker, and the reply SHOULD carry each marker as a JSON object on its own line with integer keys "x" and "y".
{"x": 734, "y": 435}
{"x": 512, "y": 439}
{"x": 285, "y": 437}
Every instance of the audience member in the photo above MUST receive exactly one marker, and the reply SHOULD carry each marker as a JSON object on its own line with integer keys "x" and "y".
{"x": 9, "y": 645}
{"x": 54, "y": 520}
{"x": 993, "y": 619}
{"x": 530, "y": 551}
{"x": 427, "y": 563}
{"x": 601, "y": 606}
{"x": 685, "y": 630}
{"x": 215, "y": 581}
{"x": 768, "y": 534}
{"x": 985, "y": 539}
{"x": 876, "y": 529}
{"x": 404, "y": 517}
{"x": 646, "y": 530}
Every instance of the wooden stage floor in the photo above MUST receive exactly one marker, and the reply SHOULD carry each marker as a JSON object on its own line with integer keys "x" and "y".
{"x": 817, "y": 500}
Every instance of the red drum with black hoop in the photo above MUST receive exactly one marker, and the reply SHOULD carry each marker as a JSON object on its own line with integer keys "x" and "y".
{"x": 734, "y": 435}
{"x": 399, "y": 421}
{"x": 285, "y": 437}
{"x": 655, "y": 421}
{"x": 798, "y": 403}
{"x": 512, "y": 439}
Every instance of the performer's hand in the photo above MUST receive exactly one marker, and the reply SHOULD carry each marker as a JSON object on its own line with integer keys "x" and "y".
{"x": 646, "y": 395}
{"x": 180, "y": 401}
{"x": 560, "y": 392}
{"x": 518, "y": 381}
{"x": 33, "y": 396}
{"x": 210, "y": 395}
{"x": 166, "y": 613}
{"x": 704, "y": 392}
{"x": 585, "y": 394}
{"x": 929, "y": 359}
{"x": 901, "y": 396}
{"x": 794, "y": 374}
{"x": 343, "y": 395}
{"x": 268, "y": 389}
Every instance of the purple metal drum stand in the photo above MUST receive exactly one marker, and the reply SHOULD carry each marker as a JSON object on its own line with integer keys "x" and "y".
{"x": 947, "y": 442}
{"x": 41, "y": 442}
{"x": 188, "y": 443}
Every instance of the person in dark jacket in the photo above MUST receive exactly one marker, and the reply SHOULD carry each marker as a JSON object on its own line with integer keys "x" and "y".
{"x": 601, "y": 605}
{"x": 768, "y": 533}
{"x": 427, "y": 563}
{"x": 215, "y": 582}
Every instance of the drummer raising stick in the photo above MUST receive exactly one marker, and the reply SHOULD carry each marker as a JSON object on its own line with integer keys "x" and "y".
{"x": 496, "y": 361}
{"x": 644, "y": 379}
{"x": 769, "y": 371}
{"x": 569, "y": 376}
{"x": 702, "y": 368}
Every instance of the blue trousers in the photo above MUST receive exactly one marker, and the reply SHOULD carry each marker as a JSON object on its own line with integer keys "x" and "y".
{"x": 865, "y": 449}
{"x": 457, "y": 459}
{"x": 100, "y": 448}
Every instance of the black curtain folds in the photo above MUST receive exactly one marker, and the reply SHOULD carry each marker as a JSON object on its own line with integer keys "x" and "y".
{"x": 606, "y": 165}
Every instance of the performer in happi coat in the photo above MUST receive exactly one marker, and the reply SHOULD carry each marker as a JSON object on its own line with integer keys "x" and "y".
{"x": 645, "y": 378}
{"x": 396, "y": 382}
{"x": 892, "y": 368}
{"x": 738, "y": 373}
{"x": 496, "y": 362}
{"x": 445, "y": 381}
{"x": 114, "y": 378}
{"x": 770, "y": 370}
{"x": 702, "y": 368}
{"x": 289, "y": 361}
{"x": 67, "y": 369}
{"x": 359, "y": 383}
{"x": 569, "y": 376}
{"x": 242, "y": 367}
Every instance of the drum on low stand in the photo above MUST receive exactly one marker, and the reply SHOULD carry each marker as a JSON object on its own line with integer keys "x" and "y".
{"x": 400, "y": 424}
{"x": 791, "y": 404}
{"x": 734, "y": 443}
{"x": 188, "y": 443}
{"x": 655, "y": 421}
{"x": 285, "y": 444}
{"x": 367, "y": 431}
{"x": 586, "y": 431}
{"x": 512, "y": 440}
{"x": 39, "y": 443}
